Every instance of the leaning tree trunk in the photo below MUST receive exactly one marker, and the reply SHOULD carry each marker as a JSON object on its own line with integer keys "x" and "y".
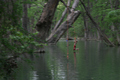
{"x": 62, "y": 17}
{"x": 102, "y": 35}
{"x": 64, "y": 27}
{"x": 72, "y": 16}
{"x": 25, "y": 17}
{"x": 45, "y": 21}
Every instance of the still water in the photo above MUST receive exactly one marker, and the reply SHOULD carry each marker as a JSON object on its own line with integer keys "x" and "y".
{"x": 93, "y": 61}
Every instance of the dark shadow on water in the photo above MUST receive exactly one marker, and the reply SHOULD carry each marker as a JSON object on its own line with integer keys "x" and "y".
{"x": 36, "y": 70}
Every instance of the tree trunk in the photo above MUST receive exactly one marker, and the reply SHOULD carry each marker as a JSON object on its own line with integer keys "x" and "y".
{"x": 63, "y": 15}
{"x": 86, "y": 30}
{"x": 117, "y": 4}
{"x": 98, "y": 35}
{"x": 75, "y": 4}
{"x": 25, "y": 17}
{"x": 102, "y": 35}
{"x": 118, "y": 37}
{"x": 57, "y": 34}
{"x": 64, "y": 27}
{"x": 44, "y": 23}
{"x": 111, "y": 5}
{"x": 117, "y": 24}
{"x": 85, "y": 27}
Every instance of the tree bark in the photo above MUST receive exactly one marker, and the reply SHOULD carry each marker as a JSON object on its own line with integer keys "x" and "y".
{"x": 64, "y": 27}
{"x": 102, "y": 35}
{"x": 44, "y": 23}
{"x": 58, "y": 32}
{"x": 85, "y": 27}
{"x": 63, "y": 15}
{"x": 25, "y": 17}
{"x": 75, "y": 4}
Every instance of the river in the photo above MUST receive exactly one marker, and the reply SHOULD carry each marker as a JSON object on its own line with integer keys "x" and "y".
{"x": 93, "y": 61}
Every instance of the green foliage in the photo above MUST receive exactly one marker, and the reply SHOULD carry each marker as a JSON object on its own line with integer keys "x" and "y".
{"x": 114, "y": 16}
{"x": 35, "y": 11}
{"x": 13, "y": 38}
{"x": 77, "y": 30}
{"x": 14, "y": 41}
{"x": 106, "y": 16}
{"x": 55, "y": 35}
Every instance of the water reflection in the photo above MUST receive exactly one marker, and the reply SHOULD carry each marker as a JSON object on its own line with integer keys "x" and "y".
{"x": 64, "y": 68}
{"x": 34, "y": 75}
{"x": 74, "y": 59}
{"x": 93, "y": 61}
{"x": 40, "y": 69}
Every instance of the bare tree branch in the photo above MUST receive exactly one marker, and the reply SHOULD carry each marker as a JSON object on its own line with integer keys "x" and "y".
{"x": 66, "y": 5}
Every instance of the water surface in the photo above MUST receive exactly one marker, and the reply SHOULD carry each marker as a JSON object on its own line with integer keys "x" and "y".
{"x": 93, "y": 61}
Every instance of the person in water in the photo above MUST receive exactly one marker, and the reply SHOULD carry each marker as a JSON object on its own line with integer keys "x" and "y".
{"x": 74, "y": 47}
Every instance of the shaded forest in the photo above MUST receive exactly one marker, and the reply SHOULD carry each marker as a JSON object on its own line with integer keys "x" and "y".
{"x": 27, "y": 25}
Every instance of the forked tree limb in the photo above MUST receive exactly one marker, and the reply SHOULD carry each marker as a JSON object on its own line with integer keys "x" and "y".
{"x": 66, "y": 5}
{"x": 62, "y": 17}
{"x": 75, "y": 4}
{"x": 63, "y": 27}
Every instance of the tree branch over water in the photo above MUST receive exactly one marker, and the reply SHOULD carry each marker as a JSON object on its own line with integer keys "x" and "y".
{"x": 103, "y": 36}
